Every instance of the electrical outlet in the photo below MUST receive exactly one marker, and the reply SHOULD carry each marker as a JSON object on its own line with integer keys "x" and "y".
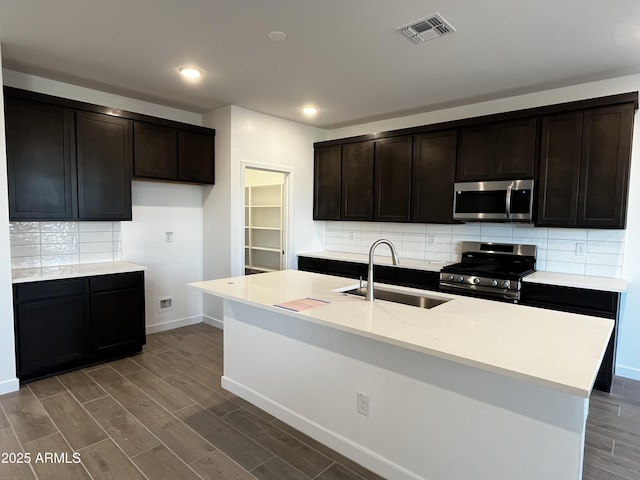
{"x": 431, "y": 240}
{"x": 72, "y": 240}
{"x": 580, "y": 249}
{"x": 168, "y": 237}
{"x": 363, "y": 405}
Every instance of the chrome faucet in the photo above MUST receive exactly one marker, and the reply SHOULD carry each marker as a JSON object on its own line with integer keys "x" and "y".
{"x": 394, "y": 257}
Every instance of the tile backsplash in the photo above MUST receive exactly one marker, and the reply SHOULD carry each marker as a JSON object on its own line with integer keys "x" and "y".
{"x": 49, "y": 244}
{"x": 564, "y": 250}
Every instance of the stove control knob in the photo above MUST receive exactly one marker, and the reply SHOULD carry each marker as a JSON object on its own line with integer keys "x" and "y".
{"x": 451, "y": 277}
{"x": 476, "y": 281}
{"x": 506, "y": 284}
{"x": 461, "y": 278}
{"x": 494, "y": 283}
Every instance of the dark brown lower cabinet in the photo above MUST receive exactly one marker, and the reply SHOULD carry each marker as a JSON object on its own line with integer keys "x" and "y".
{"x": 117, "y": 308}
{"x": 71, "y": 323}
{"x": 51, "y": 326}
{"x": 596, "y": 303}
{"x": 408, "y": 277}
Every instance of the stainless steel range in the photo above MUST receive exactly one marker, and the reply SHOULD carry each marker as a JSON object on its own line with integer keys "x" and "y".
{"x": 490, "y": 270}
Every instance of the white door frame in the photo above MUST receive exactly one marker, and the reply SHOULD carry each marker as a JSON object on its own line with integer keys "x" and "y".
{"x": 287, "y": 194}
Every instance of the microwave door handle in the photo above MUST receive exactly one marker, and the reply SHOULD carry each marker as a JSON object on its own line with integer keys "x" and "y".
{"x": 508, "y": 201}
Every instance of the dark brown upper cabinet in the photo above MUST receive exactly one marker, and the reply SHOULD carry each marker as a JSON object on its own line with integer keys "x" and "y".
{"x": 433, "y": 176}
{"x": 195, "y": 157}
{"x": 64, "y": 164}
{"x": 584, "y": 168}
{"x": 41, "y": 158}
{"x": 578, "y": 153}
{"x": 104, "y": 167}
{"x": 357, "y": 181}
{"x": 327, "y": 178}
{"x": 559, "y": 173}
{"x": 343, "y": 182}
{"x": 155, "y": 153}
{"x": 392, "y": 189}
{"x": 497, "y": 151}
{"x": 70, "y": 160}
{"x": 165, "y": 153}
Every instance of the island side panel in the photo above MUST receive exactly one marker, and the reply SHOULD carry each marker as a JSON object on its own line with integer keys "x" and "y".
{"x": 430, "y": 418}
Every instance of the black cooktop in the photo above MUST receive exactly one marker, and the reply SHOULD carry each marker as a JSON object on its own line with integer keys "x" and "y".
{"x": 512, "y": 271}
{"x": 499, "y": 261}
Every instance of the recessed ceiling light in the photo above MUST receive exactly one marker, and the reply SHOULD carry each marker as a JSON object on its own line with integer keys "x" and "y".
{"x": 310, "y": 111}
{"x": 276, "y": 36}
{"x": 190, "y": 72}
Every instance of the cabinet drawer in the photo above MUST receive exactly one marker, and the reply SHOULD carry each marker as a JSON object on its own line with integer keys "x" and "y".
{"x": 48, "y": 289}
{"x": 117, "y": 281}
{"x": 311, "y": 264}
{"x": 569, "y": 299}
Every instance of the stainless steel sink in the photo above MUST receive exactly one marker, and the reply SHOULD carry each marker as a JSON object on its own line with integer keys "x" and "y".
{"x": 397, "y": 297}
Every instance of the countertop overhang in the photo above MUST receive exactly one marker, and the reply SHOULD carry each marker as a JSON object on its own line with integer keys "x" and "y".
{"x": 25, "y": 275}
{"x": 558, "y": 350}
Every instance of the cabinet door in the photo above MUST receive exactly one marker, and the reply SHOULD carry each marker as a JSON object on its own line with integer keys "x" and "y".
{"x": 604, "y": 170}
{"x": 117, "y": 314}
{"x": 559, "y": 169}
{"x": 327, "y": 174}
{"x": 51, "y": 333}
{"x": 476, "y": 153}
{"x": 155, "y": 151}
{"x": 392, "y": 167}
{"x": 434, "y": 167}
{"x": 40, "y": 161}
{"x": 357, "y": 181}
{"x": 104, "y": 167}
{"x": 196, "y": 157}
{"x": 515, "y": 149}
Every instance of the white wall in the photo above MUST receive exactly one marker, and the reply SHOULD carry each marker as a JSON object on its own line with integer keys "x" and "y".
{"x": 628, "y": 354}
{"x": 217, "y": 214}
{"x": 247, "y": 137}
{"x": 157, "y": 208}
{"x": 8, "y": 380}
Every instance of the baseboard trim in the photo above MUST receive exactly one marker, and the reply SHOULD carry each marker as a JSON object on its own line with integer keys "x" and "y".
{"x": 628, "y": 372}
{"x": 214, "y": 322}
{"x": 170, "y": 325}
{"x": 8, "y": 386}
{"x": 342, "y": 445}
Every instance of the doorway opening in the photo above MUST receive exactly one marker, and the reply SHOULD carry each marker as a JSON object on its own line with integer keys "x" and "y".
{"x": 264, "y": 220}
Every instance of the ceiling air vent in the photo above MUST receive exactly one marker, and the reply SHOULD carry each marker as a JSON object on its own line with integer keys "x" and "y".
{"x": 428, "y": 28}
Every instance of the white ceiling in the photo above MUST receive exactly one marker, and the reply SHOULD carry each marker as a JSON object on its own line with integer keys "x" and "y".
{"x": 344, "y": 56}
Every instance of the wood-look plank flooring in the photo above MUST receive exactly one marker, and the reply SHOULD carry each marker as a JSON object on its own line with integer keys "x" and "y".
{"x": 163, "y": 415}
{"x": 158, "y": 415}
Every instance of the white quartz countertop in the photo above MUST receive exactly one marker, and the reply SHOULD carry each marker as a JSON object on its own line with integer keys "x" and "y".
{"x": 377, "y": 260}
{"x": 554, "y": 349}
{"x": 606, "y": 284}
{"x": 25, "y": 275}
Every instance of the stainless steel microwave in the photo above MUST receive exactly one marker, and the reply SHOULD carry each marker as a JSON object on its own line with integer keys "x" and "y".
{"x": 498, "y": 201}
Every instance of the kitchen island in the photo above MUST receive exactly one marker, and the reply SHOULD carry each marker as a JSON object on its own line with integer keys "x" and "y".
{"x": 468, "y": 389}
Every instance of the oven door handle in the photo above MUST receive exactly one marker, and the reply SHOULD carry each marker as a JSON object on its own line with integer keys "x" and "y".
{"x": 508, "y": 200}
